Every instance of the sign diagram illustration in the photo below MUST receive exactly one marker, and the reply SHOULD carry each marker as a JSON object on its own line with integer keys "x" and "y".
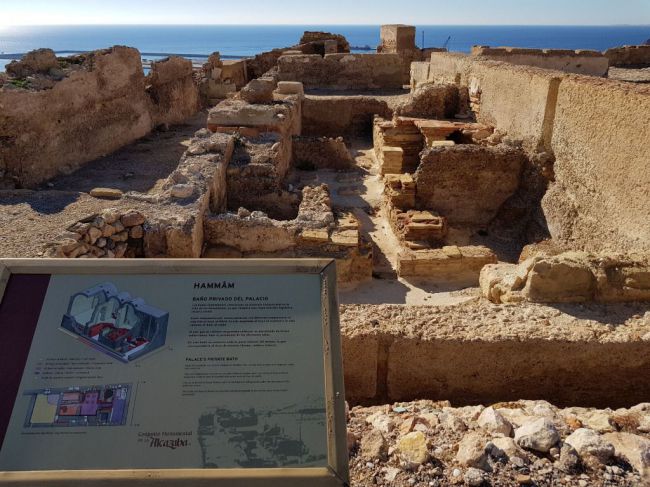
{"x": 115, "y": 323}
{"x": 78, "y": 406}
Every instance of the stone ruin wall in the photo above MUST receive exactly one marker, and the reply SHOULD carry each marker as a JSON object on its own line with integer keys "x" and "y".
{"x": 601, "y": 194}
{"x": 629, "y": 56}
{"x": 400, "y": 39}
{"x": 172, "y": 90}
{"x": 586, "y": 62}
{"x": 598, "y": 195}
{"x": 343, "y": 71}
{"x": 381, "y": 365}
{"x": 468, "y": 183}
{"x": 314, "y": 153}
{"x": 344, "y": 116}
{"x": 91, "y": 112}
{"x": 319, "y": 43}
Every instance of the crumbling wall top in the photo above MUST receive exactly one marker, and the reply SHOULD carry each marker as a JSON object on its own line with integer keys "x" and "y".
{"x": 514, "y": 51}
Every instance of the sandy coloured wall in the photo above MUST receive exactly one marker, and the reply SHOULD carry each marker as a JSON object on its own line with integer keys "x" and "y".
{"x": 467, "y": 183}
{"x": 598, "y": 132}
{"x": 172, "y": 90}
{"x": 343, "y": 71}
{"x": 85, "y": 116}
{"x": 585, "y": 62}
{"x": 517, "y": 99}
{"x": 601, "y": 140}
{"x": 449, "y": 67}
{"x": 476, "y": 353}
{"x": 629, "y": 56}
{"x": 92, "y": 112}
{"x": 341, "y": 116}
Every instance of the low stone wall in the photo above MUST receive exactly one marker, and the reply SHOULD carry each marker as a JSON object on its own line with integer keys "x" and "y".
{"x": 168, "y": 223}
{"x": 253, "y": 119}
{"x": 318, "y": 43}
{"x": 196, "y": 187}
{"x": 436, "y": 101}
{"x": 173, "y": 91}
{"x": 111, "y": 234}
{"x": 629, "y": 56}
{"x": 450, "y": 264}
{"x": 337, "y": 116}
{"x": 592, "y": 63}
{"x": 256, "y": 176}
{"x": 310, "y": 153}
{"x": 318, "y": 39}
{"x": 343, "y": 71}
{"x": 481, "y": 353}
{"x": 315, "y": 231}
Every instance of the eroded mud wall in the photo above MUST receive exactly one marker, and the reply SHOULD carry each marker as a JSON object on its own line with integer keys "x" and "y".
{"x": 89, "y": 114}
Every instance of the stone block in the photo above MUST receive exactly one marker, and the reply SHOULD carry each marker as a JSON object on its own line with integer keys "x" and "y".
{"x": 345, "y": 238}
{"x": 560, "y": 279}
{"x": 319, "y": 235}
{"x": 290, "y": 88}
{"x": 106, "y": 193}
{"x": 238, "y": 113}
{"x": 397, "y": 37}
{"x": 259, "y": 90}
{"x": 456, "y": 264}
{"x": 392, "y": 160}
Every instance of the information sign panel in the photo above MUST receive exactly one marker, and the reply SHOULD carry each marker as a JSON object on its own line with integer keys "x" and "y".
{"x": 155, "y": 370}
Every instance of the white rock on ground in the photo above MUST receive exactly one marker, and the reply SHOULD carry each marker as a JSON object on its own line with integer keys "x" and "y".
{"x": 494, "y": 422}
{"x": 634, "y": 449}
{"x": 506, "y": 447}
{"x": 474, "y": 477}
{"x": 539, "y": 435}
{"x": 471, "y": 451}
{"x": 182, "y": 191}
{"x": 590, "y": 445}
{"x": 597, "y": 420}
{"x": 381, "y": 421}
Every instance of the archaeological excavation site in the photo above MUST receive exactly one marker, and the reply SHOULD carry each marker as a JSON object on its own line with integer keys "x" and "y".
{"x": 489, "y": 214}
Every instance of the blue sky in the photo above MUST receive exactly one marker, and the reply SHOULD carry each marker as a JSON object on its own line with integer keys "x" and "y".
{"x": 421, "y": 12}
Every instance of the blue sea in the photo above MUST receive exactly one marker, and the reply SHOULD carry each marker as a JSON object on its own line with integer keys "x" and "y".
{"x": 246, "y": 40}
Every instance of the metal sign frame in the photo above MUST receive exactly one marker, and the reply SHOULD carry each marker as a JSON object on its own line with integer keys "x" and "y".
{"x": 335, "y": 474}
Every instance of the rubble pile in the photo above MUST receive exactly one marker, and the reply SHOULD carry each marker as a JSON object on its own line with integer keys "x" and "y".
{"x": 432, "y": 444}
{"x": 111, "y": 234}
